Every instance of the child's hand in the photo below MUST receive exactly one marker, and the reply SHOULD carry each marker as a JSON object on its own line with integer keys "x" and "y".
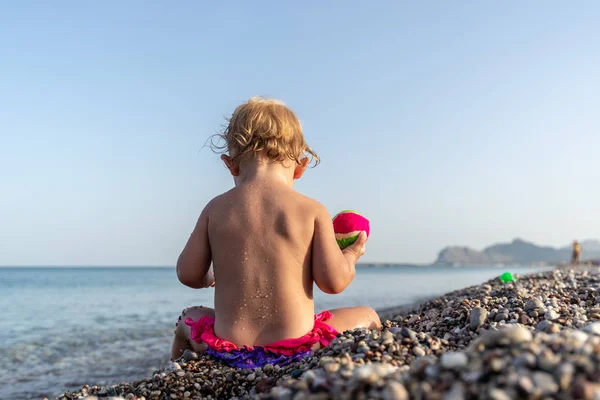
{"x": 356, "y": 249}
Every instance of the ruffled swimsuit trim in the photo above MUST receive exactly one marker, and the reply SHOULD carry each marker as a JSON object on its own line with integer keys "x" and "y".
{"x": 203, "y": 330}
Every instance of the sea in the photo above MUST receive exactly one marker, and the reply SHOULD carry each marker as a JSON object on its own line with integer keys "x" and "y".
{"x": 61, "y": 328}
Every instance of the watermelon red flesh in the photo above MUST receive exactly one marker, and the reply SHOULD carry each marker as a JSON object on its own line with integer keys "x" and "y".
{"x": 350, "y": 222}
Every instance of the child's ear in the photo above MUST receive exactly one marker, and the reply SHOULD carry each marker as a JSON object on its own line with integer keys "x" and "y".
{"x": 231, "y": 165}
{"x": 300, "y": 168}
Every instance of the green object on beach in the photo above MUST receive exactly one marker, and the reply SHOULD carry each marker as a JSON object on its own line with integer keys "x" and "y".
{"x": 507, "y": 277}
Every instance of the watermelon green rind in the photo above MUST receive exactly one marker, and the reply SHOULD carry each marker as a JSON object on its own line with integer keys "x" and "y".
{"x": 345, "y": 242}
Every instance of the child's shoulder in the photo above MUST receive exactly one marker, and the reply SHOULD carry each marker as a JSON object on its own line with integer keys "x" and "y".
{"x": 310, "y": 206}
{"x": 217, "y": 202}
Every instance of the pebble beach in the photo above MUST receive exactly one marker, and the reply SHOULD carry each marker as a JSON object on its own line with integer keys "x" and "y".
{"x": 537, "y": 338}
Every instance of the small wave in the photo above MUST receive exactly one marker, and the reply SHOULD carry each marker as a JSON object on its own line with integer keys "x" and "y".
{"x": 99, "y": 355}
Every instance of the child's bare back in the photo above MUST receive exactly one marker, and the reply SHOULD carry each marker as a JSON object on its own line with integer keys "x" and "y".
{"x": 267, "y": 244}
{"x": 266, "y": 228}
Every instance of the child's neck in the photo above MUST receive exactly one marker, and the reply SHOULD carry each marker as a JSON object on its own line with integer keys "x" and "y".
{"x": 256, "y": 171}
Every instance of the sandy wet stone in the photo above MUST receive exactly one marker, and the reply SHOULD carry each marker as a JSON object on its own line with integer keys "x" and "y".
{"x": 478, "y": 317}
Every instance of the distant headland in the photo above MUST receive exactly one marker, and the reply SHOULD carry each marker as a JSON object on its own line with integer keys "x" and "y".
{"x": 518, "y": 251}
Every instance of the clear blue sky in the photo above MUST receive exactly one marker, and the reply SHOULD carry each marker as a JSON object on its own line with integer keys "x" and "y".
{"x": 444, "y": 122}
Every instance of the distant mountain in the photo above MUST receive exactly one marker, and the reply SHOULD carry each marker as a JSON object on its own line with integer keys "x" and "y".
{"x": 592, "y": 245}
{"x": 518, "y": 251}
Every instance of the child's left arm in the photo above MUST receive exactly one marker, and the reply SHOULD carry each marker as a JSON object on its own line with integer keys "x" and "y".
{"x": 193, "y": 264}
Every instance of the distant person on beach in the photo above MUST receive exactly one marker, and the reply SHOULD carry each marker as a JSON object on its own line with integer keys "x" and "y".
{"x": 576, "y": 253}
{"x": 268, "y": 244}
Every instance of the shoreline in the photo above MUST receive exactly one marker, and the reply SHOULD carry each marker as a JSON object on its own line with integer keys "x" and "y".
{"x": 536, "y": 338}
{"x": 458, "y": 265}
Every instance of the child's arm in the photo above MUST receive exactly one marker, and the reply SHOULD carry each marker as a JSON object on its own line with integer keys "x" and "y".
{"x": 333, "y": 269}
{"x": 194, "y": 262}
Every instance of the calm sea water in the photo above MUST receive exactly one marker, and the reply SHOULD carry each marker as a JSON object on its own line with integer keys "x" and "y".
{"x": 61, "y": 328}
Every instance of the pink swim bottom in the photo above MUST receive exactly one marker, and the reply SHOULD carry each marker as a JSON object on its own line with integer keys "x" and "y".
{"x": 281, "y": 352}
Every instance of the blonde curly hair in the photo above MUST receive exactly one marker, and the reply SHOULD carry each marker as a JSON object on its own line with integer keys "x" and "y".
{"x": 265, "y": 127}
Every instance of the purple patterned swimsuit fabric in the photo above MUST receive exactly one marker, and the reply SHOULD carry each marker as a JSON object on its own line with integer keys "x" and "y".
{"x": 258, "y": 357}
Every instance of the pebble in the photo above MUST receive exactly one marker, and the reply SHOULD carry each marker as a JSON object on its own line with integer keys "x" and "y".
{"x": 545, "y": 383}
{"x": 579, "y": 336}
{"x": 365, "y": 374}
{"x": 543, "y": 325}
{"x": 331, "y": 368}
{"x": 326, "y": 360}
{"x": 564, "y": 376}
{"x": 551, "y": 315}
{"x": 418, "y": 351}
{"x": 506, "y": 336}
{"x": 297, "y": 373}
{"x": 387, "y": 338}
{"x": 394, "y": 390}
{"x": 525, "y": 384}
{"x": 189, "y": 355}
{"x": 173, "y": 366}
{"x": 478, "y": 317}
{"x": 593, "y": 328}
{"x": 501, "y": 317}
{"x": 408, "y": 333}
{"x": 524, "y": 319}
{"x": 533, "y": 304}
{"x": 454, "y": 360}
{"x": 498, "y": 394}
{"x": 456, "y": 392}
